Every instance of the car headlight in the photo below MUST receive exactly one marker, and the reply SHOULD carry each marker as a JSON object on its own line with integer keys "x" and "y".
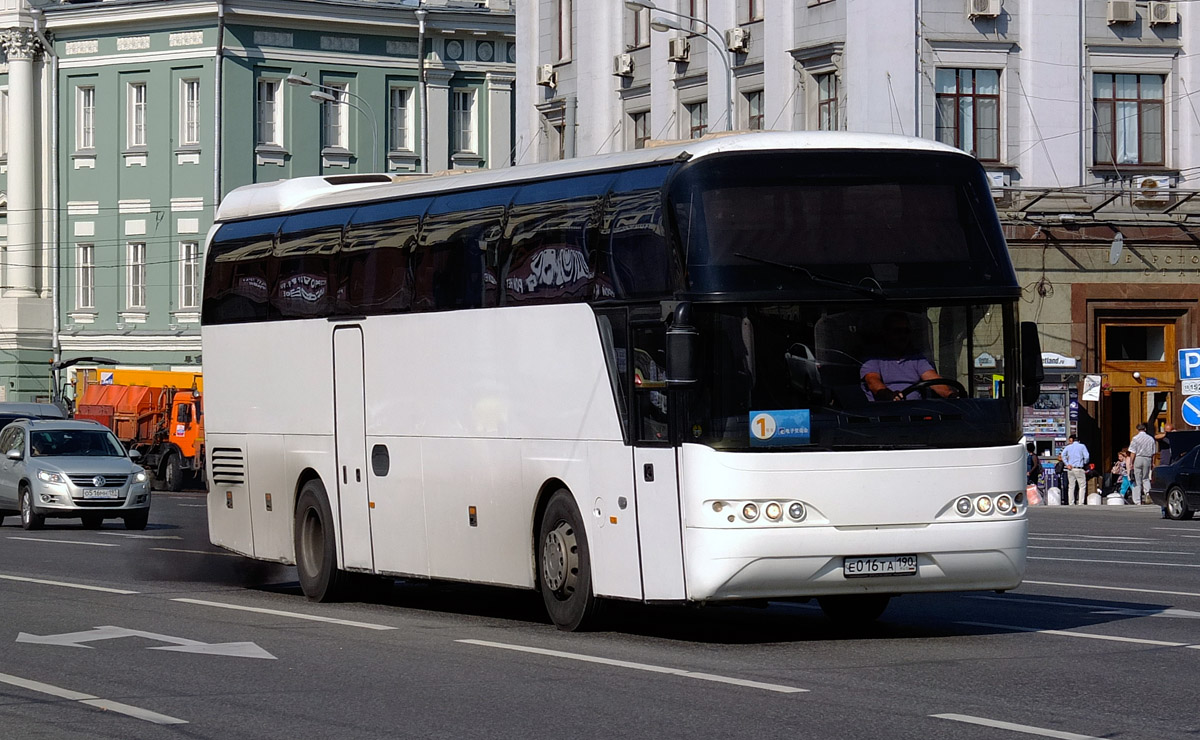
{"x": 140, "y": 477}
{"x": 47, "y": 476}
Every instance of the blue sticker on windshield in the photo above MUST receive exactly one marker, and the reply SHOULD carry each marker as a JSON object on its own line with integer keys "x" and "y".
{"x": 787, "y": 427}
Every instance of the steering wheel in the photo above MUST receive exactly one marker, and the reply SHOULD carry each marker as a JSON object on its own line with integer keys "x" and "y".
{"x": 923, "y": 385}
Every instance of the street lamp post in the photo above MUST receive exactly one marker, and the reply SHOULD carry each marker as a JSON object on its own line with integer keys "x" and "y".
{"x": 659, "y": 23}
{"x": 328, "y": 94}
{"x": 422, "y": 14}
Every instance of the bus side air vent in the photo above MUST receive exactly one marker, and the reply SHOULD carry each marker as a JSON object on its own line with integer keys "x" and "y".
{"x": 228, "y": 466}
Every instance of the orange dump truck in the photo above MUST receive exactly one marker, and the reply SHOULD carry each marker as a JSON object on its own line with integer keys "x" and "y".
{"x": 157, "y": 413}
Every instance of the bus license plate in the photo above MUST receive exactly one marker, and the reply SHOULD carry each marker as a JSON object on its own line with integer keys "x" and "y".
{"x": 880, "y": 565}
{"x": 101, "y": 493}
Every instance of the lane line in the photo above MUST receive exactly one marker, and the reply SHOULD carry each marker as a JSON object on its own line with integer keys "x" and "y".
{"x": 280, "y": 613}
{"x": 1027, "y": 729}
{"x": 194, "y": 506}
{"x": 1068, "y": 633}
{"x": 197, "y": 552}
{"x": 1174, "y": 529}
{"x": 133, "y": 536}
{"x": 1110, "y": 549}
{"x": 639, "y": 666}
{"x": 82, "y": 586}
{"x": 1095, "y": 608}
{"x": 1113, "y": 588}
{"x": 1118, "y": 562}
{"x": 65, "y": 542}
{"x": 92, "y": 701}
{"x": 1092, "y": 536}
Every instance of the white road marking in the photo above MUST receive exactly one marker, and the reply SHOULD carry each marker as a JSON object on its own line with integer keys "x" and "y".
{"x": 92, "y": 701}
{"x": 82, "y": 586}
{"x": 1068, "y": 633}
{"x": 1191, "y": 536}
{"x": 280, "y": 613}
{"x": 1027, "y": 729}
{"x": 65, "y": 542}
{"x": 1172, "y": 529}
{"x": 639, "y": 666}
{"x": 1113, "y": 588}
{"x": 197, "y": 552}
{"x": 1119, "y": 562}
{"x": 176, "y": 644}
{"x": 1090, "y": 536}
{"x": 194, "y": 506}
{"x": 133, "y": 536}
{"x": 1086, "y": 548}
{"x": 1096, "y": 608}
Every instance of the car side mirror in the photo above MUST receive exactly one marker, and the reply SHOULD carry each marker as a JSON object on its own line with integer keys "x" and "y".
{"x": 135, "y": 455}
{"x": 15, "y": 454}
{"x": 1032, "y": 372}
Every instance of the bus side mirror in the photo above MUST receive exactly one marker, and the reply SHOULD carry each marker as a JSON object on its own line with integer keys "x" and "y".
{"x": 1032, "y": 372}
{"x": 682, "y": 339}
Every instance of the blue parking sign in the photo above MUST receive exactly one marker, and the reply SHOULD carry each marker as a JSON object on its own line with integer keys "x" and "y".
{"x": 1189, "y": 364}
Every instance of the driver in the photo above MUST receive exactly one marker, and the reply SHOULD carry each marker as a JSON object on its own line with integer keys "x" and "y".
{"x": 897, "y": 364}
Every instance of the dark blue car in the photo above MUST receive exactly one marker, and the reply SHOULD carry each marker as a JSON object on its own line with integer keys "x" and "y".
{"x": 1176, "y": 487}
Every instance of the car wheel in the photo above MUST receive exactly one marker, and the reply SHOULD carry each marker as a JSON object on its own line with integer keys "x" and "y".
{"x": 173, "y": 479}
{"x": 316, "y": 545}
{"x": 30, "y": 519}
{"x": 137, "y": 519}
{"x": 564, "y": 565}
{"x": 1177, "y": 507}
{"x": 854, "y": 610}
{"x": 92, "y": 521}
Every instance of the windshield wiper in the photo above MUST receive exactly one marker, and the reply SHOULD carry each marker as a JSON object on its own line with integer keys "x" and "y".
{"x": 872, "y": 289}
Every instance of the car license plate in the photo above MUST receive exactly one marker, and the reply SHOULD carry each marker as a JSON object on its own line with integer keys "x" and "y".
{"x": 92, "y": 493}
{"x": 880, "y": 565}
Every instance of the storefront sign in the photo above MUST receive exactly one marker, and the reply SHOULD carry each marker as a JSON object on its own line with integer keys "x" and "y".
{"x": 1091, "y": 387}
{"x": 1053, "y": 359}
{"x": 985, "y": 360}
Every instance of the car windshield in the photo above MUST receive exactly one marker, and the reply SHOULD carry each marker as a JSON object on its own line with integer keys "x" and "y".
{"x": 74, "y": 443}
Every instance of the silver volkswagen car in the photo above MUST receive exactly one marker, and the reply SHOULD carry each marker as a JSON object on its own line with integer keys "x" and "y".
{"x": 57, "y": 468}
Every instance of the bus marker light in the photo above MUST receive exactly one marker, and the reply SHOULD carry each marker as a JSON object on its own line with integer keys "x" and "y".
{"x": 732, "y": 517}
{"x": 268, "y": 497}
{"x": 229, "y": 499}
{"x": 370, "y": 505}
{"x": 750, "y": 512}
{"x": 718, "y": 505}
{"x": 774, "y": 511}
{"x": 984, "y": 504}
{"x": 612, "y": 520}
{"x": 472, "y": 519}
{"x": 963, "y": 506}
{"x": 796, "y": 510}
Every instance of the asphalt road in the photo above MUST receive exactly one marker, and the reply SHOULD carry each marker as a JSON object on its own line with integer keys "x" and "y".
{"x": 116, "y": 634}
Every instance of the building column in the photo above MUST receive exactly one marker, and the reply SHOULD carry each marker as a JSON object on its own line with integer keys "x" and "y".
{"x": 22, "y": 47}
{"x": 437, "y": 97}
{"x": 500, "y": 136}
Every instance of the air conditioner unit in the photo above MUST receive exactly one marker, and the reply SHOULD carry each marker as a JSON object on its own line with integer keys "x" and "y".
{"x": 984, "y": 8}
{"x": 996, "y": 181}
{"x": 546, "y": 75}
{"x": 1122, "y": 11}
{"x": 1163, "y": 14}
{"x": 737, "y": 40}
{"x": 623, "y": 65}
{"x": 677, "y": 49}
{"x": 1151, "y": 189}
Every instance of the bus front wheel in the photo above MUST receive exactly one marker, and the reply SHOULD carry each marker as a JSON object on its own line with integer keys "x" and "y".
{"x": 854, "y": 609}
{"x": 316, "y": 553}
{"x": 564, "y": 564}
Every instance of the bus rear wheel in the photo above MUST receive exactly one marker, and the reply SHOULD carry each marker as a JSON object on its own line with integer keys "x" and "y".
{"x": 316, "y": 547}
{"x": 564, "y": 565}
{"x": 854, "y": 609}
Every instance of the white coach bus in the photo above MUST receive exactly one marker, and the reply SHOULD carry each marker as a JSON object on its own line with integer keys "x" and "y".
{"x": 643, "y": 376}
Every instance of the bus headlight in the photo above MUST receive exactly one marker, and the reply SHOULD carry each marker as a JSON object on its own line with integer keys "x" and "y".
{"x": 963, "y": 506}
{"x": 750, "y": 512}
{"x": 796, "y": 510}
{"x": 774, "y": 511}
{"x": 984, "y": 505}
{"x": 1004, "y": 504}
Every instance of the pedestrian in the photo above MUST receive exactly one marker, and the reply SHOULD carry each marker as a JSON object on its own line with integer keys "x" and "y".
{"x": 1141, "y": 449}
{"x": 1121, "y": 472}
{"x": 1075, "y": 458}
{"x": 1032, "y": 469}
{"x": 1164, "y": 444}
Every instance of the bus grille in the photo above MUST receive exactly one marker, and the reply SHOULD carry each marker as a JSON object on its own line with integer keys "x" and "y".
{"x": 228, "y": 466}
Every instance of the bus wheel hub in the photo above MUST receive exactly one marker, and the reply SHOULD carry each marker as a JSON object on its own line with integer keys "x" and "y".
{"x": 560, "y": 560}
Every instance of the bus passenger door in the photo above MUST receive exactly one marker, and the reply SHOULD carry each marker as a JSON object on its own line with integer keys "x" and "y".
{"x": 350, "y": 431}
{"x": 656, "y": 476}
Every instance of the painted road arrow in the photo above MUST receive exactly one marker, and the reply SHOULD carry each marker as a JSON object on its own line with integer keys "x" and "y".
{"x": 177, "y": 644}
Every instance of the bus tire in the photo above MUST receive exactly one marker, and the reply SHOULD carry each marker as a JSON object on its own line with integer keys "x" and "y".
{"x": 316, "y": 546}
{"x": 854, "y": 609}
{"x": 30, "y": 519}
{"x": 564, "y": 564}
{"x": 173, "y": 477}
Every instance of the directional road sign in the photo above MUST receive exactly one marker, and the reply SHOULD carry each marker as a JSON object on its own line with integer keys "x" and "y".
{"x": 1191, "y": 410}
{"x": 1189, "y": 371}
{"x": 176, "y": 644}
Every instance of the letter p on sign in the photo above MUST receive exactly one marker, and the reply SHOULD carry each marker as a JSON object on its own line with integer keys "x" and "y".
{"x": 1189, "y": 364}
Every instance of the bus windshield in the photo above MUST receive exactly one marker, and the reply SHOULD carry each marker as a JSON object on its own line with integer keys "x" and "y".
{"x": 794, "y": 375}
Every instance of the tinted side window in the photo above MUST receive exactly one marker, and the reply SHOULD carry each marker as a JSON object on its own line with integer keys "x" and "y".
{"x": 374, "y": 271}
{"x": 305, "y": 256}
{"x": 552, "y": 234}
{"x": 6, "y": 441}
{"x": 637, "y": 255}
{"x": 240, "y": 272}
{"x": 455, "y": 265}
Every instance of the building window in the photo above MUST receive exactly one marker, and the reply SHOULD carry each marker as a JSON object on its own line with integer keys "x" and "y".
{"x": 641, "y": 129}
{"x": 189, "y": 112}
{"x": 827, "y": 101}
{"x": 463, "y": 121}
{"x": 752, "y": 10}
{"x": 754, "y": 110}
{"x": 85, "y": 297}
{"x": 136, "y": 275}
{"x": 697, "y": 9}
{"x": 697, "y": 117}
{"x": 85, "y": 126}
{"x": 189, "y": 275}
{"x": 565, "y": 19}
{"x": 968, "y": 111}
{"x": 137, "y": 114}
{"x": 270, "y": 113}
{"x": 638, "y": 27}
{"x": 335, "y": 118}
{"x": 399, "y": 109}
{"x": 1129, "y": 119}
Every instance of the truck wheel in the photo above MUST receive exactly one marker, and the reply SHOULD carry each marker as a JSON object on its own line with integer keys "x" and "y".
{"x": 173, "y": 479}
{"x": 316, "y": 545}
{"x": 565, "y": 565}
{"x": 137, "y": 518}
{"x": 30, "y": 519}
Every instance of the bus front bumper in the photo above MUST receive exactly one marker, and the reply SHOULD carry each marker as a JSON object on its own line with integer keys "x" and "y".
{"x": 807, "y": 561}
